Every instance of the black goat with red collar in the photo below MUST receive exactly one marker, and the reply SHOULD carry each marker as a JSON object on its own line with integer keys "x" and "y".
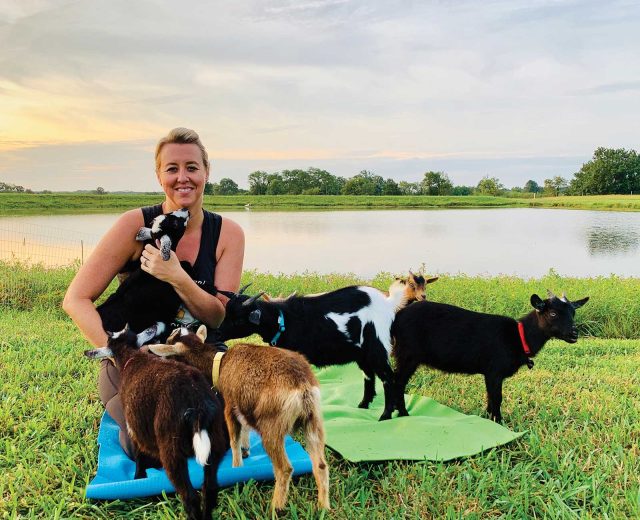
{"x": 458, "y": 340}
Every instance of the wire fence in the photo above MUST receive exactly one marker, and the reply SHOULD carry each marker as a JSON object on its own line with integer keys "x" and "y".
{"x": 31, "y": 258}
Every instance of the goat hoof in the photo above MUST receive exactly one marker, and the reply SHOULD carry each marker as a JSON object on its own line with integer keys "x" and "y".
{"x": 363, "y": 404}
{"x": 245, "y": 453}
{"x": 403, "y": 413}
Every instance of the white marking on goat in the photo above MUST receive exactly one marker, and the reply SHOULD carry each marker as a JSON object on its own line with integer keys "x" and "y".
{"x": 201, "y": 446}
{"x": 155, "y": 226}
{"x": 379, "y": 312}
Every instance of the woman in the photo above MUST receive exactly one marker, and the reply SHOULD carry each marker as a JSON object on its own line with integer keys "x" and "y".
{"x": 212, "y": 244}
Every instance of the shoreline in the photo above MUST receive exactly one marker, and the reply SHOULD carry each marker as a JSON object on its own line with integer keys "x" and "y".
{"x": 26, "y": 204}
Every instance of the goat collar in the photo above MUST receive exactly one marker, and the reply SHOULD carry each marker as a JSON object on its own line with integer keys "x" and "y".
{"x": 126, "y": 363}
{"x": 280, "y": 329}
{"x": 525, "y": 346}
{"x": 215, "y": 369}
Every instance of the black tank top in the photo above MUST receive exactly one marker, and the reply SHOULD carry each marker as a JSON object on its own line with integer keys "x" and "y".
{"x": 204, "y": 269}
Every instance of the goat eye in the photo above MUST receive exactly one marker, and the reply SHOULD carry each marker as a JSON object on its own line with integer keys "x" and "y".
{"x": 553, "y": 314}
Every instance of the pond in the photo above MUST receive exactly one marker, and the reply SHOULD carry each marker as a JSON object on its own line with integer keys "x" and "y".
{"x": 516, "y": 241}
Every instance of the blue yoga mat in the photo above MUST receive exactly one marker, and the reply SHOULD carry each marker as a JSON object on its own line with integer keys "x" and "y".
{"x": 114, "y": 478}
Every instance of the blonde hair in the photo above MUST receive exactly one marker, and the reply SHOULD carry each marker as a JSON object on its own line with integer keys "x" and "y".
{"x": 182, "y": 135}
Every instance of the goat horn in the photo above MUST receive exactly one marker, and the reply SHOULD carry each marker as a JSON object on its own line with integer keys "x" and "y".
{"x": 564, "y": 298}
{"x": 244, "y": 288}
{"x": 550, "y": 294}
{"x": 252, "y": 299}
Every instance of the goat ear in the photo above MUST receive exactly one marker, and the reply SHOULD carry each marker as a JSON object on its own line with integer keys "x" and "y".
{"x": 144, "y": 233}
{"x": 99, "y": 353}
{"x": 202, "y": 333}
{"x": 167, "y": 350}
{"x": 149, "y": 333}
{"x": 165, "y": 247}
{"x": 538, "y": 303}
{"x": 431, "y": 280}
{"x": 579, "y": 303}
{"x": 254, "y": 317}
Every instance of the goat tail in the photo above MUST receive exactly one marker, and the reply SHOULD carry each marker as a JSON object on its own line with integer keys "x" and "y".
{"x": 199, "y": 422}
{"x": 201, "y": 446}
{"x": 312, "y": 417}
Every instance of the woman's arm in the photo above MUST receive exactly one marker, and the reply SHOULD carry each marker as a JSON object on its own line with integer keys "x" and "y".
{"x": 202, "y": 305}
{"x": 114, "y": 250}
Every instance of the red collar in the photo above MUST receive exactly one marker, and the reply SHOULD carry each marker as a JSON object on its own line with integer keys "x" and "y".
{"x": 125, "y": 365}
{"x": 525, "y": 347}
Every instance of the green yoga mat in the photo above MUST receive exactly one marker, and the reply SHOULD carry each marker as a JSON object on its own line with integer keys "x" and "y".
{"x": 431, "y": 432}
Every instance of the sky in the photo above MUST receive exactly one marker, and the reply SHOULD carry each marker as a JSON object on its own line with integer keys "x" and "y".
{"x": 515, "y": 89}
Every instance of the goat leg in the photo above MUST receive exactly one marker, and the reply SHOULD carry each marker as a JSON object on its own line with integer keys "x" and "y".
{"x": 178, "y": 473}
{"x": 494, "y": 396}
{"x": 274, "y": 447}
{"x": 404, "y": 370}
{"x": 385, "y": 374}
{"x": 369, "y": 387}
{"x": 143, "y": 463}
{"x": 244, "y": 442}
{"x": 235, "y": 427}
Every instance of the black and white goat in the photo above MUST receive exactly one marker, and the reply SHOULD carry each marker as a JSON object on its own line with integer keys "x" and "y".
{"x": 458, "y": 340}
{"x": 171, "y": 413}
{"x": 347, "y": 325}
{"x": 142, "y": 299}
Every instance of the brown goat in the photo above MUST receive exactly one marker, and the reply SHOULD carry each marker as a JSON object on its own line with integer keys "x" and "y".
{"x": 404, "y": 291}
{"x": 171, "y": 414}
{"x": 269, "y": 389}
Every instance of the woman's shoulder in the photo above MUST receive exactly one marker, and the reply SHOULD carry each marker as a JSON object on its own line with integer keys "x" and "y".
{"x": 132, "y": 219}
{"x": 231, "y": 228}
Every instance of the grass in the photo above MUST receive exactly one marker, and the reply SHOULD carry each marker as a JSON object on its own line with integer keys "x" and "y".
{"x": 17, "y": 204}
{"x": 580, "y": 457}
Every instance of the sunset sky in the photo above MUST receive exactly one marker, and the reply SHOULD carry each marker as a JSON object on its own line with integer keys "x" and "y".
{"x": 514, "y": 89}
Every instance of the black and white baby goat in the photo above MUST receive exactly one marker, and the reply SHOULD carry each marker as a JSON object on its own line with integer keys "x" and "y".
{"x": 171, "y": 414}
{"x": 141, "y": 300}
{"x": 333, "y": 328}
{"x": 458, "y": 340}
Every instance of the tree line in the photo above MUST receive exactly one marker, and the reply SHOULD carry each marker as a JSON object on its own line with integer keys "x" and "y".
{"x": 610, "y": 171}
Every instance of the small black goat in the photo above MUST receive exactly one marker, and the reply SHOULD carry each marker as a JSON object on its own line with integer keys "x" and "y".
{"x": 458, "y": 340}
{"x": 333, "y": 328}
{"x": 141, "y": 299}
{"x": 171, "y": 414}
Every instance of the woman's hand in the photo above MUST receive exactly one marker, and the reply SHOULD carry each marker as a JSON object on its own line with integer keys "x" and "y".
{"x": 169, "y": 271}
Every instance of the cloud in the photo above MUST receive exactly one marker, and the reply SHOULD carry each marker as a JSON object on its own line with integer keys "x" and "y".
{"x": 316, "y": 80}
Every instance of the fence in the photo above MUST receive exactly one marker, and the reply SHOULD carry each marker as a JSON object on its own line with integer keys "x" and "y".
{"x": 31, "y": 256}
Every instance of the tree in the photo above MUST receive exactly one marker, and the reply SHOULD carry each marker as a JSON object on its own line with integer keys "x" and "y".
{"x": 609, "y": 171}
{"x": 227, "y": 187}
{"x": 365, "y": 183}
{"x": 258, "y": 183}
{"x": 409, "y": 188}
{"x": 490, "y": 186}
{"x": 462, "y": 190}
{"x": 436, "y": 183}
{"x": 531, "y": 186}
{"x": 390, "y": 187}
{"x": 553, "y": 187}
{"x": 100, "y": 191}
{"x": 210, "y": 188}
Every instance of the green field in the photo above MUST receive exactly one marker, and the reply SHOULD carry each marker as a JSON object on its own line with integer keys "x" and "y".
{"x": 16, "y": 204}
{"x": 579, "y": 457}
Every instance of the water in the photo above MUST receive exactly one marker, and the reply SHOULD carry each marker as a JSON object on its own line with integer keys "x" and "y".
{"x": 523, "y": 242}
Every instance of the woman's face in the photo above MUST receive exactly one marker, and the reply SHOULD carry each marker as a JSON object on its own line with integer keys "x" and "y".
{"x": 182, "y": 174}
